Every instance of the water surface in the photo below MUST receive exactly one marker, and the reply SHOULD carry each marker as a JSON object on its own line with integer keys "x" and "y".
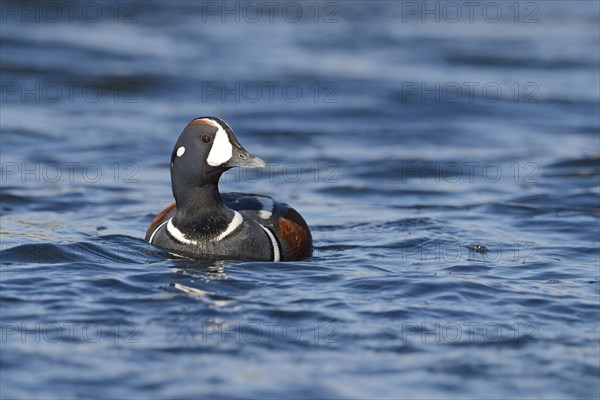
{"x": 449, "y": 172}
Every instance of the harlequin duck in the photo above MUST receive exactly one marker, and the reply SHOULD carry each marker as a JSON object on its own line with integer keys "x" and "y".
{"x": 203, "y": 223}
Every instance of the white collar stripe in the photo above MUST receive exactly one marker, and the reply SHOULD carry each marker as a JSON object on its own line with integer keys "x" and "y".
{"x": 276, "y": 253}
{"x": 177, "y": 234}
{"x": 235, "y": 222}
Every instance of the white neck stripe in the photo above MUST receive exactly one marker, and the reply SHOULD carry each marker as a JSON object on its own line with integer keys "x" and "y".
{"x": 276, "y": 253}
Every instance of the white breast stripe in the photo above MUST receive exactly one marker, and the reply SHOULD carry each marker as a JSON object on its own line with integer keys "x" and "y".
{"x": 276, "y": 254}
{"x": 235, "y": 222}
{"x": 155, "y": 231}
{"x": 177, "y": 234}
{"x": 221, "y": 150}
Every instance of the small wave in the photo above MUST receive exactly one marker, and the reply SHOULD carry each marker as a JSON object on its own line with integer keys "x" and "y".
{"x": 101, "y": 250}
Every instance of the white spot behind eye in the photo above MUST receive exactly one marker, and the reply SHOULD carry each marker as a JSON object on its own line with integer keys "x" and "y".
{"x": 180, "y": 151}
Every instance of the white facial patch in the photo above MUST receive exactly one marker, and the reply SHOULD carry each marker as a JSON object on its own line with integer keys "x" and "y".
{"x": 221, "y": 150}
{"x": 180, "y": 151}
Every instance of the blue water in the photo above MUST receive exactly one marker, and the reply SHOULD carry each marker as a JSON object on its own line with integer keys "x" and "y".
{"x": 449, "y": 168}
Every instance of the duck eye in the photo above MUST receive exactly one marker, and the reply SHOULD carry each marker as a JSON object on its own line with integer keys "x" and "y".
{"x": 205, "y": 138}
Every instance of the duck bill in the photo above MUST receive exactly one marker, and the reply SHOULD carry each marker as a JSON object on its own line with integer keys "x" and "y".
{"x": 242, "y": 158}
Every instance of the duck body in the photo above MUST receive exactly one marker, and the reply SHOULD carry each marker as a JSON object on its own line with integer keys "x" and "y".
{"x": 203, "y": 223}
